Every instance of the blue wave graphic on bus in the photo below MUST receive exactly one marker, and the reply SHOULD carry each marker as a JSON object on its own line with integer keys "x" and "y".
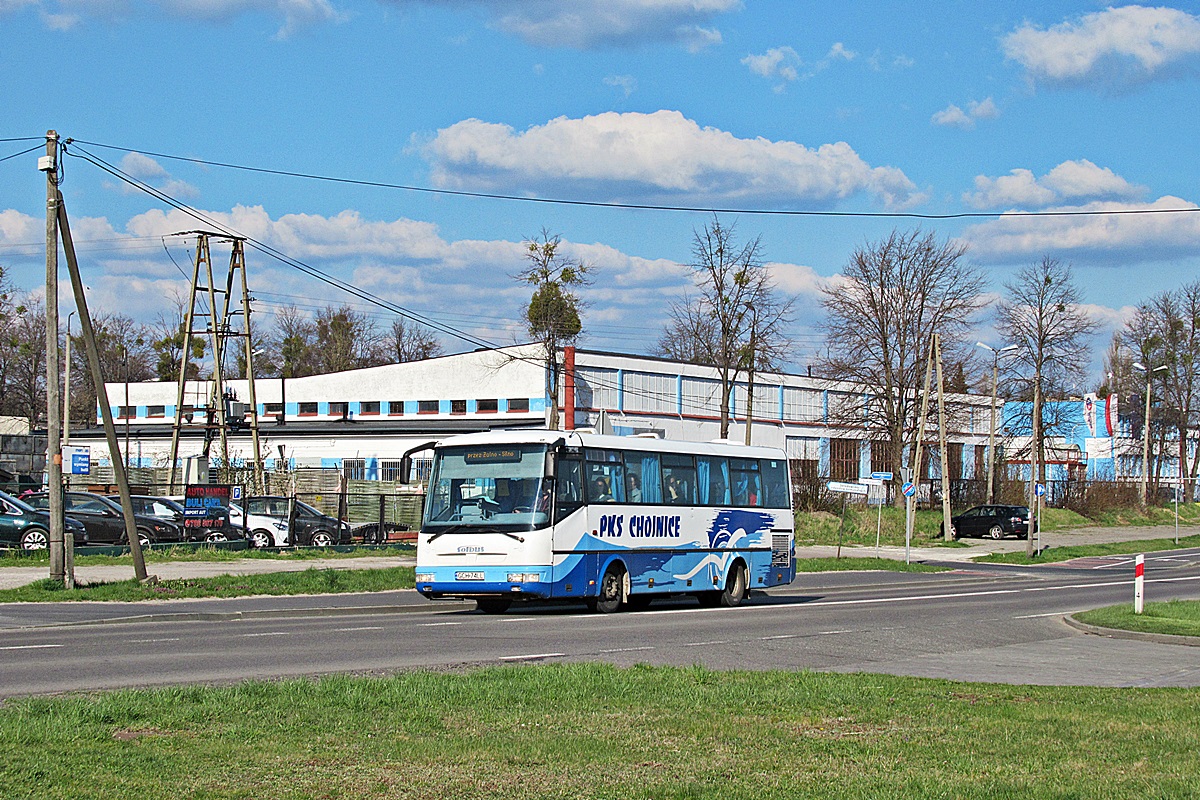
{"x": 731, "y": 522}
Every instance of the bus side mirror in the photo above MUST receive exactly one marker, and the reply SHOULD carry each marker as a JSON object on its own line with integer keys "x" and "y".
{"x": 405, "y": 467}
{"x": 551, "y": 467}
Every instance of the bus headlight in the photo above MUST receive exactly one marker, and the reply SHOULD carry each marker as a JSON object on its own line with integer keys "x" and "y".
{"x": 524, "y": 577}
{"x": 425, "y": 577}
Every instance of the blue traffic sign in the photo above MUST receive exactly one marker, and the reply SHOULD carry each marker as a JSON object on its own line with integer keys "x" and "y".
{"x": 881, "y": 476}
{"x": 908, "y": 489}
{"x": 1039, "y": 490}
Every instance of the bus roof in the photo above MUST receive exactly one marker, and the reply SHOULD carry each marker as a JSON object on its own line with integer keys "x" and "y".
{"x": 584, "y": 439}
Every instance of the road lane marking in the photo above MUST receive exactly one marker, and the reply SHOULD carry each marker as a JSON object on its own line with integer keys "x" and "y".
{"x": 830, "y": 633}
{"x": 520, "y": 619}
{"x": 31, "y": 646}
{"x": 437, "y": 624}
{"x": 1050, "y": 614}
{"x": 364, "y": 628}
{"x": 626, "y": 650}
{"x": 152, "y": 641}
{"x": 268, "y": 633}
{"x": 533, "y": 657}
{"x": 784, "y": 636}
{"x": 701, "y": 644}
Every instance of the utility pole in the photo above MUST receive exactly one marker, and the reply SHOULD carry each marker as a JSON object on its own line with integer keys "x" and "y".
{"x": 1034, "y": 456}
{"x": 991, "y": 465}
{"x": 93, "y": 357}
{"x": 49, "y": 165}
{"x": 750, "y": 373}
{"x": 185, "y": 355}
{"x": 238, "y": 261}
{"x": 915, "y": 468}
{"x": 945, "y": 457}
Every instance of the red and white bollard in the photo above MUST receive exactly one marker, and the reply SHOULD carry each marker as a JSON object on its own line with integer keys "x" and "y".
{"x": 1139, "y": 583}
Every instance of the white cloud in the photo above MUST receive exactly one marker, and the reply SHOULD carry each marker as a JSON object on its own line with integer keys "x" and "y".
{"x": 1126, "y": 238}
{"x": 586, "y": 24}
{"x": 954, "y": 116}
{"x": 626, "y": 83}
{"x": 656, "y": 156}
{"x": 1113, "y": 47}
{"x": 781, "y": 63}
{"x": 1071, "y": 181}
{"x": 296, "y": 14}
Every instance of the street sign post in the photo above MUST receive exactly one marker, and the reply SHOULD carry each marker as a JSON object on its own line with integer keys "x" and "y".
{"x": 848, "y": 488}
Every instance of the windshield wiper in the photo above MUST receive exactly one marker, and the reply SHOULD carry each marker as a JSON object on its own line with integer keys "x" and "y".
{"x": 457, "y": 528}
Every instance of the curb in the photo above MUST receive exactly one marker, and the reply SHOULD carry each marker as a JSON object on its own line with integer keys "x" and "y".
{"x": 1118, "y": 633}
{"x": 231, "y": 616}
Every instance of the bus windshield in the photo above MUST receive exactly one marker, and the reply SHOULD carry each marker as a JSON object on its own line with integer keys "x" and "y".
{"x": 489, "y": 487}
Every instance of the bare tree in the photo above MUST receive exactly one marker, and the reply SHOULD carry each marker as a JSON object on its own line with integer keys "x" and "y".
{"x": 892, "y": 296}
{"x": 735, "y": 322}
{"x": 126, "y": 353}
{"x": 1165, "y": 331}
{"x": 552, "y": 315}
{"x": 409, "y": 341}
{"x": 1041, "y": 315}
{"x": 24, "y": 356}
{"x": 167, "y": 336}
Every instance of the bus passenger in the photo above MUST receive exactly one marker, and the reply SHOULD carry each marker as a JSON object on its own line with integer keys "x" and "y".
{"x": 600, "y": 493}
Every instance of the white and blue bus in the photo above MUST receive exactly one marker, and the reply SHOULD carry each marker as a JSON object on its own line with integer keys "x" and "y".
{"x": 610, "y": 521}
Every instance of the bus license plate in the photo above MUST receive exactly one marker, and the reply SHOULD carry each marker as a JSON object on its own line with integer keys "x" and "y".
{"x": 468, "y": 576}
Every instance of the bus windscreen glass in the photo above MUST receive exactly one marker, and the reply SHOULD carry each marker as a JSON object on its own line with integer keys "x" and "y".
{"x": 488, "y": 487}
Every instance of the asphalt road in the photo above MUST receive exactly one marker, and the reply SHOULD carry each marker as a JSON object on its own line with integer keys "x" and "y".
{"x": 980, "y": 623}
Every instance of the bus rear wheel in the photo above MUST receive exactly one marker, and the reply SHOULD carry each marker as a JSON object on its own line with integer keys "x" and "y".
{"x": 493, "y": 605}
{"x": 612, "y": 590}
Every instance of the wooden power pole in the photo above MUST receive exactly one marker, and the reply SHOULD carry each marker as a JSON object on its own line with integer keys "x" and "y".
{"x": 49, "y": 165}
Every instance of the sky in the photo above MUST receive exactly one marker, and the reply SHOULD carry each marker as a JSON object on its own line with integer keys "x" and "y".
{"x": 766, "y": 110}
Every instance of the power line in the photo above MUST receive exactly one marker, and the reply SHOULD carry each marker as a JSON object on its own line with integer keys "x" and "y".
{"x": 644, "y": 206}
{"x": 23, "y": 152}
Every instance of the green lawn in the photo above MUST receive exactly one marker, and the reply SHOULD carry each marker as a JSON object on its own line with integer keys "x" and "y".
{"x": 309, "y": 581}
{"x": 160, "y": 554}
{"x": 1176, "y": 617}
{"x": 1054, "y": 554}
{"x": 595, "y": 731}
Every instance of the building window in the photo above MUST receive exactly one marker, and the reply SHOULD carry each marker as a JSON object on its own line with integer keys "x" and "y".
{"x": 156, "y": 411}
{"x": 368, "y": 407}
{"x": 339, "y": 409}
{"x": 354, "y": 469}
{"x": 396, "y": 407}
{"x": 427, "y": 406}
{"x": 390, "y": 471}
{"x": 458, "y": 406}
{"x": 487, "y": 406}
{"x": 954, "y": 460}
{"x": 421, "y": 467}
{"x": 843, "y": 459}
{"x": 126, "y": 412}
{"x": 518, "y": 405}
{"x": 308, "y": 409}
{"x": 879, "y": 457}
{"x": 274, "y": 409}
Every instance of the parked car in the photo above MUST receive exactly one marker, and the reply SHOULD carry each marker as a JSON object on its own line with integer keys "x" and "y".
{"x": 261, "y": 529}
{"x": 23, "y": 525}
{"x": 166, "y": 508}
{"x": 105, "y": 522}
{"x": 996, "y": 521}
{"x": 313, "y": 528}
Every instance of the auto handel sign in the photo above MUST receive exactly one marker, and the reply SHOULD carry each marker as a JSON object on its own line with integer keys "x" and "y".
{"x": 206, "y": 507}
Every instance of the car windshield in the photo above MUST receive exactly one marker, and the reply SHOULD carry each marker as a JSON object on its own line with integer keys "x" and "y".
{"x": 21, "y": 504}
{"x": 488, "y": 488}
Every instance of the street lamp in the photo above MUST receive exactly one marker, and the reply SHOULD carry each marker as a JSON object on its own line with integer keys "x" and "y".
{"x": 991, "y": 467}
{"x": 1146, "y": 427}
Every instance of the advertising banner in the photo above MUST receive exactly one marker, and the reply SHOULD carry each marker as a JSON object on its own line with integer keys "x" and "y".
{"x": 206, "y": 506}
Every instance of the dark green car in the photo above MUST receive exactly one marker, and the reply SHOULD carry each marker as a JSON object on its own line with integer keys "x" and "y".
{"x": 22, "y": 525}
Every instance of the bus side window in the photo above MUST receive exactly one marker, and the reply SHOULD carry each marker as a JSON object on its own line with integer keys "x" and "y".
{"x": 775, "y": 478}
{"x": 569, "y": 484}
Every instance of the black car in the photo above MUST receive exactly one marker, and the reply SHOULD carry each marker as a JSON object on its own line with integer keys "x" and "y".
{"x": 164, "y": 508}
{"x": 22, "y": 525}
{"x": 312, "y": 528}
{"x": 995, "y": 521}
{"x": 105, "y": 522}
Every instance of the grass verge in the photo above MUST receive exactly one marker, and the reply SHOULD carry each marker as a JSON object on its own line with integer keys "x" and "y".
{"x": 846, "y": 564}
{"x": 309, "y": 581}
{"x": 1175, "y": 617}
{"x": 1055, "y": 554}
{"x": 595, "y": 731}
{"x": 200, "y": 553}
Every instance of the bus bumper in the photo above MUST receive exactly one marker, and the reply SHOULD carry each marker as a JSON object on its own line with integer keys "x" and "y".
{"x": 514, "y": 582}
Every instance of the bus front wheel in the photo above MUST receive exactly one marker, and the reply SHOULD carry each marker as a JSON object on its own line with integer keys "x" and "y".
{"x": 612, "y": 590}
{"x": 493, "y": 605}
{"x": 734, "y": 592}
